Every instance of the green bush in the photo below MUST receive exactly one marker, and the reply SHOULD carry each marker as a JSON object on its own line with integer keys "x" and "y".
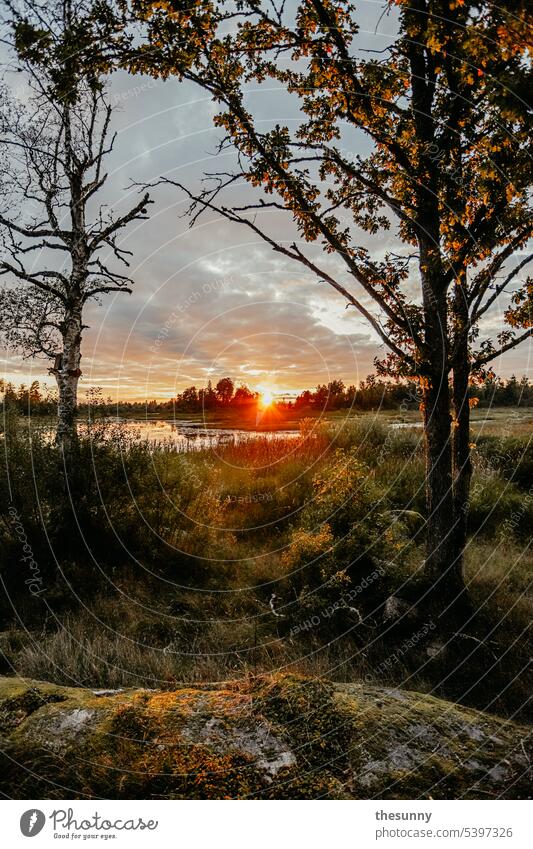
{"x": 498, "y": 507}
{"x": 111, "y": 504}
{"x": 345, "y": 531}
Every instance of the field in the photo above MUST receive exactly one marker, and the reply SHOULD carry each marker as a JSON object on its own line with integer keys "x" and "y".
{"x": 144, "y": 567}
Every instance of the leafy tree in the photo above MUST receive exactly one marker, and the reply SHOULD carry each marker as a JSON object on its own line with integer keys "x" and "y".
{"x": 524, "y": 390}
{"x": 54, "y": 147}
{"x": 189, "y": 397}
{"x": 224, "y": 390}
{"x": 244, "y": 396}
{"x": 321, "y": 396}
{"x": 443, "y": 111}
{"x": 304, "y": 399}
{"x": 210, "y": 397}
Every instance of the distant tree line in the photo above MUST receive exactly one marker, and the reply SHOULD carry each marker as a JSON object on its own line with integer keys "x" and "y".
{"x": 375, "y": 393}
{"x": 26, "y": 399}
{"x": 370, "y": 394}
{"x": 223, "y": 395}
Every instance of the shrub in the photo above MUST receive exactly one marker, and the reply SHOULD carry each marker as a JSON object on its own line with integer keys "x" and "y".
{"x": 112, "y": 503}
{"x": 343, "y": 532}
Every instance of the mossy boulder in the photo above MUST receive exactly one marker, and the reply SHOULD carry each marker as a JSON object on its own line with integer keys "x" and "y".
{"x": 269, "y": 737}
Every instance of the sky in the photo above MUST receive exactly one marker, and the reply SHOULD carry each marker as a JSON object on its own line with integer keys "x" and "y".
{"x": 214, "y": 300}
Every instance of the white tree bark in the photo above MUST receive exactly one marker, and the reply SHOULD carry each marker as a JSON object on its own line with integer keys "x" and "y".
{"x": 67, "y": 377}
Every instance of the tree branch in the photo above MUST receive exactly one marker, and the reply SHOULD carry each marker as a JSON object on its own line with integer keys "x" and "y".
{"x": 492, "y": 355}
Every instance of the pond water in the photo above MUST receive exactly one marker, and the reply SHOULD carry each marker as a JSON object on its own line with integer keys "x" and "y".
{"x": 188, "y": 435}
{"x": 403, "y": 425}
{"x": 183, "y": 436}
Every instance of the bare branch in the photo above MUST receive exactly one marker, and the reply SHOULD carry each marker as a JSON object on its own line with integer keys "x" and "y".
{"x": 294, "y": 253}
{"x": 136, "y": 213}
{"x": 35, "y": 279}
{"x": 482, "y": 360}
{"x": 497, "y": 289}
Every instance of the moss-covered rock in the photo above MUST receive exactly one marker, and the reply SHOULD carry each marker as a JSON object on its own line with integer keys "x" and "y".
{"x": 276, "y": 737}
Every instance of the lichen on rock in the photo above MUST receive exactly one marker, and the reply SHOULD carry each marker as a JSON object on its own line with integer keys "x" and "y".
{"x": 282, "y": 736}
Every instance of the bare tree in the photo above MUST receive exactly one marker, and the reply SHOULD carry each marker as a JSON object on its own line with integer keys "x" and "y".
{"x": 54, "y": 151}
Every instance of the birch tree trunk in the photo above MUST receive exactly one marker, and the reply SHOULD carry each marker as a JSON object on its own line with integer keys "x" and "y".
{"x": 67, "y": 377}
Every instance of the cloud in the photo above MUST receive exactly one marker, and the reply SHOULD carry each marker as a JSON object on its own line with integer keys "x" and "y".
{"x": 213, "y": 300}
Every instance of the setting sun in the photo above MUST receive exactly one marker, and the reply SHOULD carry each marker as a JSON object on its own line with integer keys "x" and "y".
{"x": 266, "y": 398}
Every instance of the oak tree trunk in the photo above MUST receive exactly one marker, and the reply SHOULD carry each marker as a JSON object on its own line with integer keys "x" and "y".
{"x": 462, "y": 465}
{"x": 443, "y": 566}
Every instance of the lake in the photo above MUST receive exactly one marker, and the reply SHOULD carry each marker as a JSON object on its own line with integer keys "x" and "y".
{"x": 187, "y": 435}
{"x": 184, "y": 435}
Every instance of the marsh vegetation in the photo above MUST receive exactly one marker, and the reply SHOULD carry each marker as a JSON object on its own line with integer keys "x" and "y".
{"x": 156, "y": 567}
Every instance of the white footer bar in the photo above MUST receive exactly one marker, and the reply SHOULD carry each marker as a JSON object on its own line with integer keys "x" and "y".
{"x": 267, "y": 825}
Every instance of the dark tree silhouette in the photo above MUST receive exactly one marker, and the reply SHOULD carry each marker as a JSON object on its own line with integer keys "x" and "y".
{"x": 224, "y": 390}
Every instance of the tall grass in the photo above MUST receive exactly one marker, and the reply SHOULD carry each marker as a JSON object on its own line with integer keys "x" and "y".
{"x": 162, "y": 567}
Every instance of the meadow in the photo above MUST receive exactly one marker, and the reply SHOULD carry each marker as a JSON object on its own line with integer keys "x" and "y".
{"x": 140, "y": 566}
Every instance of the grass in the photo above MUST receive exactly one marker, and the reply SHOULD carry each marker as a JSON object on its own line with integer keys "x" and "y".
{"x": 114, "y": 643}
{"x": 161, "y": 568}
{"x": 500, "y": 580}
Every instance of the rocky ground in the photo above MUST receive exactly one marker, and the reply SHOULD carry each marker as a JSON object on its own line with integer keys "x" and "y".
{"x": 272, "y": 737}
